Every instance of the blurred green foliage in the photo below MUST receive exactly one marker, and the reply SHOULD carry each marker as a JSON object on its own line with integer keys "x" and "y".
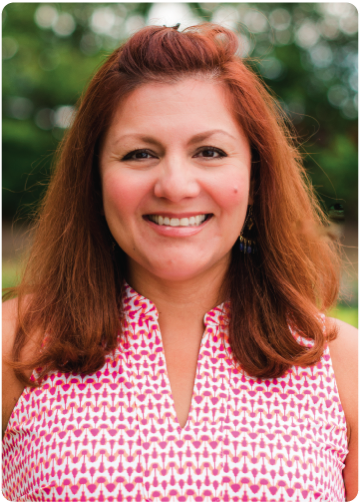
{"x": 305, "y": 52}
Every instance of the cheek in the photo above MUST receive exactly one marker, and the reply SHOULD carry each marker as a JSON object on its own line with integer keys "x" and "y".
{"x": 122, "y": 193}
{"x": 232, "y": 192}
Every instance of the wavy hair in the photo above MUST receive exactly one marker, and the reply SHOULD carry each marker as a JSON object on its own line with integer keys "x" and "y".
{"x": 73, "y": 283}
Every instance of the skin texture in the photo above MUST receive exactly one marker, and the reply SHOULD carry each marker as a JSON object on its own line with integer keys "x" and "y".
{"x": 180, "y": 275}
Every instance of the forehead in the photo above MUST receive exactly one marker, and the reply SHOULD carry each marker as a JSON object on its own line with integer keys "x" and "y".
{"x": 181, "y": 90}
{"x": 191, "y": 105}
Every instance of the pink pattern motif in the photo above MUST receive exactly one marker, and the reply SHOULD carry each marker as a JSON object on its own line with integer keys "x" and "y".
{"x": 113, "y": 436}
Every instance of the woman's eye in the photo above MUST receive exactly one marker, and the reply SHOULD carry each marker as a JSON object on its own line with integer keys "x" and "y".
{"x": 213, "y": 149}
{"x": 130, "y": 155}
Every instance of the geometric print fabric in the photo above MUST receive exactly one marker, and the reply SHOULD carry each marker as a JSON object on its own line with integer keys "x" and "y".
{"x": 113, "y": 436}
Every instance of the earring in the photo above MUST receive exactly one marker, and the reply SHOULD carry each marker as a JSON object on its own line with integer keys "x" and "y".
{"x": 248, "y": 244}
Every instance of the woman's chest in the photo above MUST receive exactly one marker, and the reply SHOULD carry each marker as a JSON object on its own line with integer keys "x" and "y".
{"x": 181, "y": 367}
{"x": 114, "y": 436}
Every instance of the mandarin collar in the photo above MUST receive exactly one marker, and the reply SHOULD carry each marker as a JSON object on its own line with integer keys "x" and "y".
{"x": 136, "y": 308}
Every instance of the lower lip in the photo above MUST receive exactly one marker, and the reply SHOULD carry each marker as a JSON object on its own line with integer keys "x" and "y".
{"x": 180, "y": 231}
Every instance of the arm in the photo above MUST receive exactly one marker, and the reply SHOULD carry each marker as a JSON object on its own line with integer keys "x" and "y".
{"x": 11, "y": 389}
{"x": 344, "y": 356}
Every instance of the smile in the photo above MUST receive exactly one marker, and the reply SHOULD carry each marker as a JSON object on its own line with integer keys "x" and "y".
{"x": 194, "y": 220}
{"x": 178, "y": 227}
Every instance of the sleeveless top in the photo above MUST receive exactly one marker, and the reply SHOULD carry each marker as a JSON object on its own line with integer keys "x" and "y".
{"x": 113, "y": 435}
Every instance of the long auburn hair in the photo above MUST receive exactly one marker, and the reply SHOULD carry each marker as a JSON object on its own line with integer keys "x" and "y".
{"x": 73, "y": 284}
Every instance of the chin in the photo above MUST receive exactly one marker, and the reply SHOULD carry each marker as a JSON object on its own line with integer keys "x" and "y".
{"x": 177, "y": 270}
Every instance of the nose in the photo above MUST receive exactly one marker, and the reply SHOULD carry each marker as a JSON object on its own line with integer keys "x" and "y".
{"x": 176, "y": 180}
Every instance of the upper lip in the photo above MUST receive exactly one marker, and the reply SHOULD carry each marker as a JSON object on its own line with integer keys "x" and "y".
{"x": 182, "y": 215}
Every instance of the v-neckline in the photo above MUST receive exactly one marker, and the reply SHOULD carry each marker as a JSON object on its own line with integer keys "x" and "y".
{"x": 168, "y": 383}
{"x": 137, "y": 308}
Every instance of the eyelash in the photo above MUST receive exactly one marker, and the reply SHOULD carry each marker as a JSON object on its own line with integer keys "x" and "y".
{"x": 129, "y": 156}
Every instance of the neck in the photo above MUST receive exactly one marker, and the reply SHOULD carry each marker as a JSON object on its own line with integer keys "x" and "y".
{"x": 182, "y": 303}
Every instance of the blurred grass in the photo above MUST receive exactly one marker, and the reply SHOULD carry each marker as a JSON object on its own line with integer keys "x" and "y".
{"x": 346, "y": 313}
{"x": 9, "y": 274}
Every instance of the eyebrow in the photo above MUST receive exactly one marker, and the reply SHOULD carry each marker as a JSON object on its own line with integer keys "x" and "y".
{"x": 200, "y": 137}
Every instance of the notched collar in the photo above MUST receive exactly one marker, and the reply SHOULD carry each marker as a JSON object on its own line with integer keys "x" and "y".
{"x": 137, "y": 308}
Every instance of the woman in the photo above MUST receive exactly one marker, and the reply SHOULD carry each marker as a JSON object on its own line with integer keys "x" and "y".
{"x": 175, "y": 360}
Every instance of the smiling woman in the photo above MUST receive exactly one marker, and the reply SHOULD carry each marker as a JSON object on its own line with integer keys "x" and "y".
{"x": 167, "y": 339}
{"x": 169, "y": 158}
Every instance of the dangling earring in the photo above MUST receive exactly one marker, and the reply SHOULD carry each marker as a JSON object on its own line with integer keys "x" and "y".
{"x": 248, "y": 244}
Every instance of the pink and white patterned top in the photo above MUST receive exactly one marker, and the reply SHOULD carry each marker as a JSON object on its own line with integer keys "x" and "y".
{"x": 113, "y": 436}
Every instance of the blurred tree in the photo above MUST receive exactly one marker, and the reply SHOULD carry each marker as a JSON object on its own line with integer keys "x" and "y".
{"x": 305, "y": 52}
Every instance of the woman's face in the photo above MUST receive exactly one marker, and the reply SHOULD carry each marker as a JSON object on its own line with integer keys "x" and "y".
{"x": 175, "y": 171}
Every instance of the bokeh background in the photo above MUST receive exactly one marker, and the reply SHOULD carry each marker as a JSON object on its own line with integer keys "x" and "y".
{"x": 305, "y": 52}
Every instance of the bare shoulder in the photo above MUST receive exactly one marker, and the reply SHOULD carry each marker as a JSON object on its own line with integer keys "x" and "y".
{"x": 9, "y": 320}
{"x": 9, "y": 324}
{"x": 344, "y": 356}
{"x": 12, "y": 388}
{"x": 346, "y": 343}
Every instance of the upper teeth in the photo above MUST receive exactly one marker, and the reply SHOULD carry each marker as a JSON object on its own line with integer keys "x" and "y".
{"x": 196, "y": 220}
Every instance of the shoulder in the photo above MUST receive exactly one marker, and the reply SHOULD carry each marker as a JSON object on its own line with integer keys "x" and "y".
{"x": 344, "y": 356}
{"x": 12, "y": 387}
{"x": 346, "y": 343}
{"x": 9, "y": 321}
{"x": 9, "y": 325}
